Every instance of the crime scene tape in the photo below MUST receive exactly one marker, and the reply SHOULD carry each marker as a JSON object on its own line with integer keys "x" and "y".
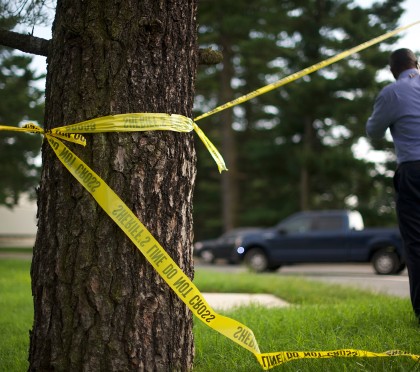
{"x": 143, "y": 122}
{"x": 151, "y": 249}
{"x": 133, "y": 122}
{"x": 304, "y": 72}
{"x": 270, "y": 360}
{"x": 143, "y": 239}
{"x": 172, "y": 274}
{"x": 32, "y": 128}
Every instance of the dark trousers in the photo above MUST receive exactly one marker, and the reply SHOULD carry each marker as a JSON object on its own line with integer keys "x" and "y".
{"x": 407, "y": 188}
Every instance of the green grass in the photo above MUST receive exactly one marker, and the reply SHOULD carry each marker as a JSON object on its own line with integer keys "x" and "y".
{"x": 16, "y": 250}
{"x": 324, "y": 317}
{"x": 15, "y": 315}
{"x": 295, "y": 290}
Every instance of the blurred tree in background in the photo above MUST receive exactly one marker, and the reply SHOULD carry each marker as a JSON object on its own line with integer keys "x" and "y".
{"x": 20, "y": 100}
{"x": 287, "y": 150}
{"x": 293, "y": 148}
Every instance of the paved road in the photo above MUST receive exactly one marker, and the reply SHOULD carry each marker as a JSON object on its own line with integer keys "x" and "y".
{"x": 356, "y": 275}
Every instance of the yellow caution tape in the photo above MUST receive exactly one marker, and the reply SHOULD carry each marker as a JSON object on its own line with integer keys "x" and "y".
{"x": 145, "y": 122}
{"x": 126, "y": 123}
{"x": 152, "y": 250}
{"x": 33, "y": 128}
{"x": 170, "y": 271}
{"x": 175, "y": 277}
{"x": 211, "y": 148}
{"x": 131, "y": 123}
{"x": 271, "y": 360}
{"x": 306, "y": 71}
{"x": 143, "y": 239}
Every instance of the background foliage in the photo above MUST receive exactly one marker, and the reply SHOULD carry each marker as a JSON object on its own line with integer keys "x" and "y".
{"x": 293, "y": 148}
{"x": 288, "y": 150}
{"x": 20, "y": 100}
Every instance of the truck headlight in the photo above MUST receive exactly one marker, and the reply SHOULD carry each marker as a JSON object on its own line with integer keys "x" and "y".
{"x": 198, "y": 246}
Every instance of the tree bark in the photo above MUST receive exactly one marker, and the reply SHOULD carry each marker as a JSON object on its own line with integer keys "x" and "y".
{"x": 99, "y": 305}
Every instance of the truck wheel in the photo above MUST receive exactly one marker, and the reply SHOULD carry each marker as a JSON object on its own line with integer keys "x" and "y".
{"x": 256, "y": 260}
{"x": 208, "y": 257}
{"x": 386, "y": 262}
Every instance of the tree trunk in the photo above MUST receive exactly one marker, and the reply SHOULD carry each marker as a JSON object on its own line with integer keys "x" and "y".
{"x": 99, "y": 305}
{"x": 228, "y": 179}
{"x": 305, "y": 179}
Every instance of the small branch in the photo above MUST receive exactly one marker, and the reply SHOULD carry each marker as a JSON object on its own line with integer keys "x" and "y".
{"x": 25, "y": 43}
{"x": 36, "y": 45}
{"x": 209, "y": 56}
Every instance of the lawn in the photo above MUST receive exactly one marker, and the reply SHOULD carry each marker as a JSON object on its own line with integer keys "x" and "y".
{"x": 16, "y": 250}
{"x": 15, "y": 315}
{"x": 324, "y": 317}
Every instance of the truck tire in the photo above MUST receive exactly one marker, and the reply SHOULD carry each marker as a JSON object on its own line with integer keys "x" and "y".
{"x": 386, "y": 262}
{"x": 256, "y": 260}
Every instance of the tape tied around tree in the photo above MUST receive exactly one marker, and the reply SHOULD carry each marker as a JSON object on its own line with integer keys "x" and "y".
{"x": 133, "y": 122}
{"x": 144, "y": 240}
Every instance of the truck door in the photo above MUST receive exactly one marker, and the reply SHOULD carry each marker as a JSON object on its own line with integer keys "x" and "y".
{"x": 311, "y": 238}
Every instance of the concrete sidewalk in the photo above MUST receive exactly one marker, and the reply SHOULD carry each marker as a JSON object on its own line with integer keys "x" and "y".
{"x": 226, "y": 301}
{"x": 218, "y": 301}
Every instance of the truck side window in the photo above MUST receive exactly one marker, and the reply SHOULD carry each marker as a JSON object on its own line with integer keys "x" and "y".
{"x": 327, "y": 223}
{"x": 298, "y": 225}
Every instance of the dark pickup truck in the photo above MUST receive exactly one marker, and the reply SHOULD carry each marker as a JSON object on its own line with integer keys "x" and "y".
{"x": 322, "y": 236}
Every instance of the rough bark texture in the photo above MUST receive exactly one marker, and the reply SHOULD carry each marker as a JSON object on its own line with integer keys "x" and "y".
{"x": 99, "y": 306}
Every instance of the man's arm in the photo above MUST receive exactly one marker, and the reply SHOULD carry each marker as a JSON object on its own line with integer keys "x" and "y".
{"x": 382, "y": 116}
